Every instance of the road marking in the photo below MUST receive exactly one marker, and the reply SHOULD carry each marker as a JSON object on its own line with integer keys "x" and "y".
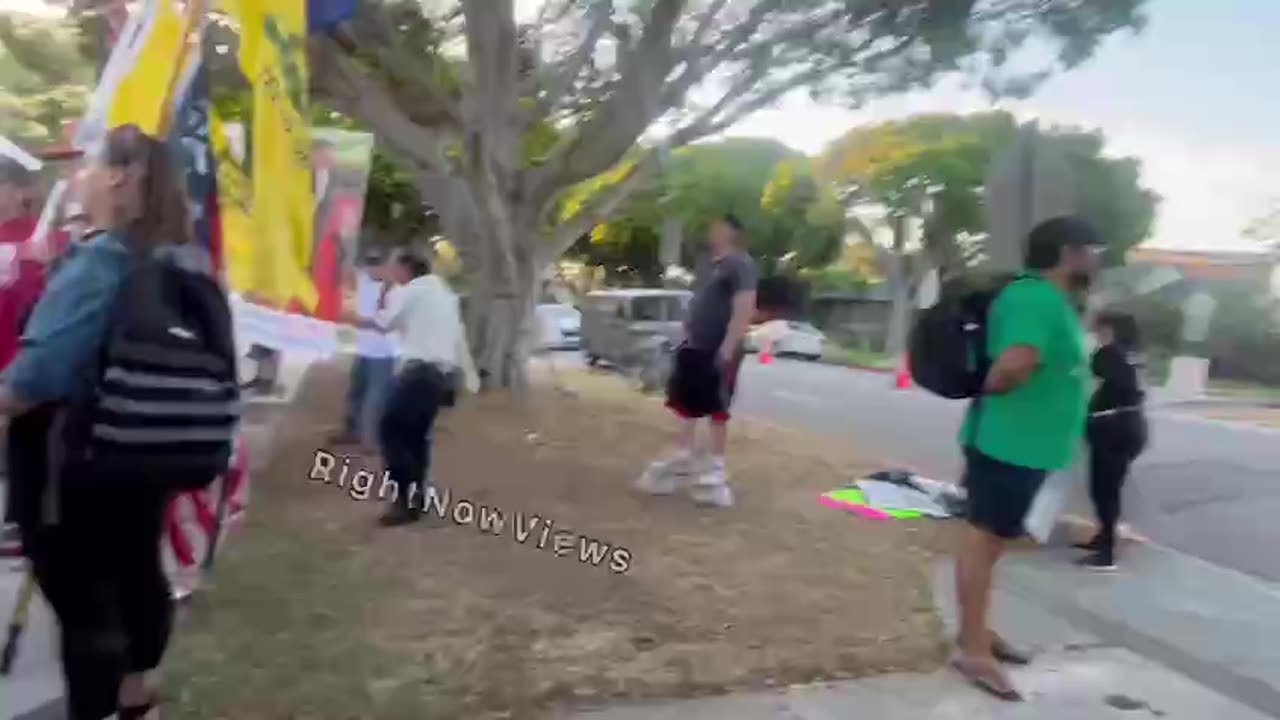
{"x": 800, "y": 398}
{"x": 1192, "y": 419}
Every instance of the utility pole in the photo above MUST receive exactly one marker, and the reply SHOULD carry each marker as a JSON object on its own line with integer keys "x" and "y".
{"x": 672, "y": 226}
{"x": 1027, "y": 183}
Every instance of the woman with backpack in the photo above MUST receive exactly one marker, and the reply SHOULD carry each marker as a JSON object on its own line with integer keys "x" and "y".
{"x": 1116, "y": 430}
{"x": 92, "y": 536}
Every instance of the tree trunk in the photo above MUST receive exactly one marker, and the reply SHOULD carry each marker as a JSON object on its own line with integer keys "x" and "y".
{"x": 501, "y": 288}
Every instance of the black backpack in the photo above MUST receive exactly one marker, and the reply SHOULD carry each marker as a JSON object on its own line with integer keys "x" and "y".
{"x": 948, "y": 343}
{"x": 163, "y": 404}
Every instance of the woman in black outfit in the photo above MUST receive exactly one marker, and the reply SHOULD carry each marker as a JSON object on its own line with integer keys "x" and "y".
{"x": 1117, "y": 429}
{"x": 94, "y": 540}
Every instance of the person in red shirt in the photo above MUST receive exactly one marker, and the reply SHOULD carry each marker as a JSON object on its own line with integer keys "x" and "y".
{"x": 21, "y": 280}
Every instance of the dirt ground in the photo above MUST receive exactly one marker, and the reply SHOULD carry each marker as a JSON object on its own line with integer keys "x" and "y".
{"x": 317, "y": 613}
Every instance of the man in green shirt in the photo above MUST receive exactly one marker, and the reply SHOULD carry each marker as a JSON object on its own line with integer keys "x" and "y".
{"x": 1029, "y": 422}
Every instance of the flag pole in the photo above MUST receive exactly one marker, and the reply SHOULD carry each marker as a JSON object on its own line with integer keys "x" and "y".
{"x": 192, "y": 34}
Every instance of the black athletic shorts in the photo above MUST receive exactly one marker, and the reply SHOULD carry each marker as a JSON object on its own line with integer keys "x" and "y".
{"x": 699, "y": 387}
{"x": 999, "y": 494}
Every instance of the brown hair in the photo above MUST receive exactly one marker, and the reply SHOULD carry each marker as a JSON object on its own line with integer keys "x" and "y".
{"x": 162, "y": 201}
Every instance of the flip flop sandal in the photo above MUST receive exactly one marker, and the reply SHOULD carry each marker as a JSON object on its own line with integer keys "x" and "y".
{"x": 1007, "y": 654}
{"x": 979, "y": 679}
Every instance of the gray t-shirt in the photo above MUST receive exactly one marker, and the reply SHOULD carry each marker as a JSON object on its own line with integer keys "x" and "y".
{"x": 712, "y": 305}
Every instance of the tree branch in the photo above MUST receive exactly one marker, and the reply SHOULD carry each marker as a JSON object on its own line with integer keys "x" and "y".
{"x": 340, "y": 80}
{"x": 623, "y": 117}
{"x": 597, "y": 209}
{"x": 371, "y": 35}
{"x": 566, "y": 73}
{"x": 492, "y": 109}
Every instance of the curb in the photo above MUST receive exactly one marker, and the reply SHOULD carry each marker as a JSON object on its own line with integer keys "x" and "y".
{"x": 1071, "y": 523}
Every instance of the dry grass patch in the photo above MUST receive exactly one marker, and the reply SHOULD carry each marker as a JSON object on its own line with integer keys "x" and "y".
{"x": 318, "y": 614}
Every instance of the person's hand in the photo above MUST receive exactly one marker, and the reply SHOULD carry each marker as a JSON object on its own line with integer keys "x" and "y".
{"x": 726, "y": 355}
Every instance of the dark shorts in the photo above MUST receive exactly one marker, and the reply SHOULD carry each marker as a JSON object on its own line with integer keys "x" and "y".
{"x": 699, "y": 387}
{"x": 999, "y": 494}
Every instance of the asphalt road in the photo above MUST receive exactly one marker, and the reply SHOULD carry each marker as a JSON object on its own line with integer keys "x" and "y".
{"x": 1206, "y": 488}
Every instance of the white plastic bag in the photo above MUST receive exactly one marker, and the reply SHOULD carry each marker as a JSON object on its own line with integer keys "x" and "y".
{"x": 1053, "y": 498}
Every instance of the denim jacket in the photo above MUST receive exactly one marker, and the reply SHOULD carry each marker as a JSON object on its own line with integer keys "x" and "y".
{"x": 64, "y": 334}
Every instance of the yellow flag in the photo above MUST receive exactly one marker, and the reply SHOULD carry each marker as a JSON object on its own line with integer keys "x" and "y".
{"x": 142, "y": 95}
{"x": 235, "y": 206}
{"x": 268, "y": 246}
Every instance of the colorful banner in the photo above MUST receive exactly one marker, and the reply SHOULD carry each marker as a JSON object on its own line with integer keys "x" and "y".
{"x": 341, "y": 162}
{"x": 268, "y": 256}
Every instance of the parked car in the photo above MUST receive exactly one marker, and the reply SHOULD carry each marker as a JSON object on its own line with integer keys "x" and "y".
{"x": 787, "y": 338}
{"x": 560, "y": 326}
{"x": 635, "y": 330}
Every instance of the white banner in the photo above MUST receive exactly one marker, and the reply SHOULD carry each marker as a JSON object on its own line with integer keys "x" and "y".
{"x": 22, "y": 157}
{"x": 286, "y": 332}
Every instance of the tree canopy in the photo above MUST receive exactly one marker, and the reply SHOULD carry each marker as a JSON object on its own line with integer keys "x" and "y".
{"x": 45, "y": 81}
{"x": 944, "y": 158}
{"x": 791, "y": 219}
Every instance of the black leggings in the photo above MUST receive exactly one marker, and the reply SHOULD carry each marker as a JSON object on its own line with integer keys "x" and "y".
{"x": 100, "y": 570}
{"x": 1115, "y": 441}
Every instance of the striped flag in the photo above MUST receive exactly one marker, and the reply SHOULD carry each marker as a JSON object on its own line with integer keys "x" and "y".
{"x": 198, "y": 522}
{"x": 189, "y": 141}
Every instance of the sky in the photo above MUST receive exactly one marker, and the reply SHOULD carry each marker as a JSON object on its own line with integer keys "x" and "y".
{"x": 1193, "y": 97}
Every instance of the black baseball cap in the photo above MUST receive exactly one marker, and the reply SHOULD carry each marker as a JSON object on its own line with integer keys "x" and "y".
{"x": 13, "y": 172}
{"x": 1047, "y": 240}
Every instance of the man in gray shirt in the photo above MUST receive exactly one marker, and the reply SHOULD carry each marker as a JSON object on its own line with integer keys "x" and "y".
{"x": 706, "y": 364}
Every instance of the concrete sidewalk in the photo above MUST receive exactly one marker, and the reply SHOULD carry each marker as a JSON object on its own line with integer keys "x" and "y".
{"x": 1169, "y": 636}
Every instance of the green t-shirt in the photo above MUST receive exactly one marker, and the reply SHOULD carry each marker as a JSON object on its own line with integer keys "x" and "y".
{"x": 1040, "y": 424}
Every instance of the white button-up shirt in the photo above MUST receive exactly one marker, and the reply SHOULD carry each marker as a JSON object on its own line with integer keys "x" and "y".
{"x": 371, "y": 343}
{"x": 424, "y": 315}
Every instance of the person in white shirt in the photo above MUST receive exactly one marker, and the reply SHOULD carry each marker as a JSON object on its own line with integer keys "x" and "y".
{"x": 424, "y": 314}
{"x": 375, "y": 362}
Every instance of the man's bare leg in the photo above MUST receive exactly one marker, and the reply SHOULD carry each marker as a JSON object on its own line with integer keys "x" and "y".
{"x": 662, "y": 477}
{"x": 687, "y": 435}
{"x": 975, "y": 569}
{"x": 719, "y": 438}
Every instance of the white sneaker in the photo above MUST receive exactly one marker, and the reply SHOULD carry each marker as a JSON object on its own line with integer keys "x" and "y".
{"x": 712, "y": 495}
{"x": 712, "y": 488}
{"x": 664, "y": 477}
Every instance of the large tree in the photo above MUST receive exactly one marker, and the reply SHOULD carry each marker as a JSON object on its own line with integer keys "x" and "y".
{"x": 792, "y": 220}
{"x": 605, "y": 73}
{"x": 933, "y": 167}
{"x": 943, "y": 159}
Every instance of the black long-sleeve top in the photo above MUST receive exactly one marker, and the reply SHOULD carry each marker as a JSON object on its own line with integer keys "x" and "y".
{"x": 1118, "y": 372}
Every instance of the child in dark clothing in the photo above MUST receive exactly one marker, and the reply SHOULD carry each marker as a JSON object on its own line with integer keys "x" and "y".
{"x": 1117, "y": 429}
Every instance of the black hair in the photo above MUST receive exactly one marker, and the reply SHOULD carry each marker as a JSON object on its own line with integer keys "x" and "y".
{"x": 732, "y": 221}
{"x": 1047, "y": 240}
{"x": 1123, "y": 327}
{"x": 416, "y": 264}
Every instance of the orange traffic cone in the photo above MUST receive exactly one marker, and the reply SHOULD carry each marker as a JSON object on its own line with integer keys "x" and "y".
{"x": 902, "y": 376}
